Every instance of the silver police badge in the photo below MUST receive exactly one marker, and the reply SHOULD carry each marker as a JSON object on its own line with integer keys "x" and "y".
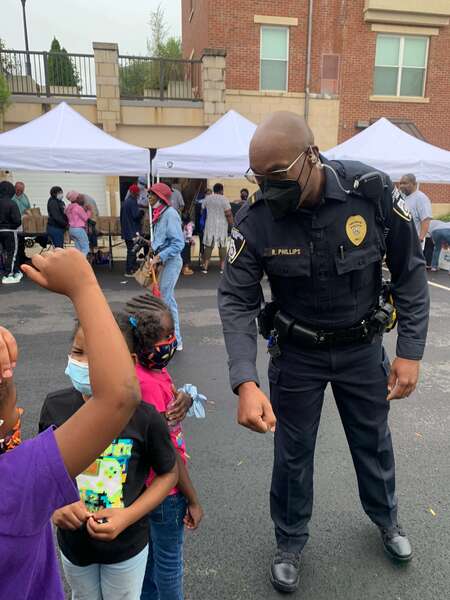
{"x": 236, "y": 244}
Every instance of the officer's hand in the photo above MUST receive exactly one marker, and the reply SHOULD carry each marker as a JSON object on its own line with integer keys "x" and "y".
{"x": 403, "y": 378}
{"x": 254, "y": 409}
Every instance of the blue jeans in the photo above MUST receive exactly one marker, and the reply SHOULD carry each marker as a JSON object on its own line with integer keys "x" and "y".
{"x": 121, "y": 581}
{"x": 440, "y": 237}
{"x": 56, "y": 235}
{"x": 167, "y": 283}
{"x": 80, "y": 237}
{"x": 164, "y": 575}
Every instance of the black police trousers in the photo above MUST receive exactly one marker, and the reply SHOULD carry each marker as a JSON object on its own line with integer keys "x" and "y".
{"x": 358, "y": 377}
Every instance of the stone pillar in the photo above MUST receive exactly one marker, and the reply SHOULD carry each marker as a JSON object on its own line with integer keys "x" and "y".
{"x": 106, "y": 57}
{"x": 213, "y": 80}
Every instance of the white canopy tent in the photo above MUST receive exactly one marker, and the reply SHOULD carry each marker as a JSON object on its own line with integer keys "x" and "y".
{"x": 388, "y": 148}
{"x": 219, "y": 152}
{"x": 64, "y": 141}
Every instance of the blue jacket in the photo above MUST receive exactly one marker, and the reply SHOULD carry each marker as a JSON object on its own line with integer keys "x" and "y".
{"x": 168, "y": 236}
{"x": 130, "y": 218}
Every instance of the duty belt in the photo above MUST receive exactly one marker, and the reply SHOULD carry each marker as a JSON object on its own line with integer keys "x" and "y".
{"x": 287, "y": 329}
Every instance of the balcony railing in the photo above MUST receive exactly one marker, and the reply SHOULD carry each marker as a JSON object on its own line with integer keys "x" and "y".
{"x": 49, "y": 73}
{"x": 143, "y": 78}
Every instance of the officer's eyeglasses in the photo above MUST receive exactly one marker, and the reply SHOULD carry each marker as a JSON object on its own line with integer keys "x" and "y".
{"x": 253, "y": 177}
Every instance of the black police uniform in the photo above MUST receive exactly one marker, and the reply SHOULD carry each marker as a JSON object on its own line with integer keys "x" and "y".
{"x": 324, "y": 268}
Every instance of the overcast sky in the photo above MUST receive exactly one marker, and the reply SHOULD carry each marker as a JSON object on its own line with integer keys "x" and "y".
{"x": 77, "y": 23}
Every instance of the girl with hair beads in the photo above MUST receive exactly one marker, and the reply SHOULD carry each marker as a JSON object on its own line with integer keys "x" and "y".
{"x": 148, "y": 328}
{"x": 103, "y": 538}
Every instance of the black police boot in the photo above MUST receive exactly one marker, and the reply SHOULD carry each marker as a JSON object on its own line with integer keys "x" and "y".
{"x": 396, "y": 543}
{"x": 284, "y": 571}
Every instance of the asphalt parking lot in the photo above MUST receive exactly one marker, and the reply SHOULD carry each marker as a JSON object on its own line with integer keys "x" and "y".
{"x": 228, "y": 558}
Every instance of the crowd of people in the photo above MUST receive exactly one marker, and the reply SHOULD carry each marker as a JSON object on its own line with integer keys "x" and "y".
{"x": 77, "y": 219}
{"x": 209, "y": 218}
{"x": 173, "y": 228}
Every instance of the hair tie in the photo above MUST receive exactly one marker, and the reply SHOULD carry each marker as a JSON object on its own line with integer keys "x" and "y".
{"x": 133, "y": 322}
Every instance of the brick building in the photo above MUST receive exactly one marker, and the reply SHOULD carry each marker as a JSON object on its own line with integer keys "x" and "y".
{"x": 367, "y": 59}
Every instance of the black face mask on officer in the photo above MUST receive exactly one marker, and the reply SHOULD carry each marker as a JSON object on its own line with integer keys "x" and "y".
{"x": 283, "y": 196}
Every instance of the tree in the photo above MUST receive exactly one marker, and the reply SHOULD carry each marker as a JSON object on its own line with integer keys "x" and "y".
{"x": 160, "y": 45}
{"x": 4, "y": 88}
{"x": 159, "y": 31}
{"x": 6, "y": 62}
{"x": 4, "y": 94}
{"x": 61, "y": 70}
{"x": 144, "y": 74}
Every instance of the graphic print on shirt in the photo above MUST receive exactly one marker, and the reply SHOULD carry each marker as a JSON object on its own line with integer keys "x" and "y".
{"x": 101, "y": 484}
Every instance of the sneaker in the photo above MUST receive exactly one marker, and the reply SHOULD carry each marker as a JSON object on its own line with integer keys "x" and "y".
{"x": 433, "y": 269}
{"x": 10, "y": 279}
{"x": 18, "y": 275}
{"x": 204, "y": 271}
{"x": 180, "y": 348}
{"x": 129, "y": 275}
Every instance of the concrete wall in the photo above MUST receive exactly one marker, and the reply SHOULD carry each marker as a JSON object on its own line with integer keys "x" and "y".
{"x": 323, "y": 112}
{"x": 24, "y": 109}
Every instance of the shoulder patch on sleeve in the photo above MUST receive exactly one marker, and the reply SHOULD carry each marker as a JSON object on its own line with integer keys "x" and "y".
{"x": 399, "y": 205}
{"x": 236, "y": 244}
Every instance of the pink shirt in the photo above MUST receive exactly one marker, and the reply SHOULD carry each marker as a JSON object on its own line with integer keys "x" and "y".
{"x": 157, "y": 389}
{"x": 77, "y": 215}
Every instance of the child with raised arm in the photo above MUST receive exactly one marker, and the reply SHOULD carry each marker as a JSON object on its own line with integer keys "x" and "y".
{"x": 36, "y": 477}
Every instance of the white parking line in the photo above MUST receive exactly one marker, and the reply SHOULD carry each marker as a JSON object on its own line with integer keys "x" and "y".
{"x": 438, "y": 285}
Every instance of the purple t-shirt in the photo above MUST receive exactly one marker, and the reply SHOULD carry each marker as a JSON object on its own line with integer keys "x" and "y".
{"x": 33, "y": 484}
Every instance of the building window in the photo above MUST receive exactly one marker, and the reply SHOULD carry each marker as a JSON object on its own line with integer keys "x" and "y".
{"x": 274, "y": 58}
{"x": 400, "y": 65}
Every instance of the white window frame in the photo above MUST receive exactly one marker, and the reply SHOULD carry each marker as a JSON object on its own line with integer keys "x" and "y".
{"x": 263, "y": 27}
{"x": 400, "y": 66}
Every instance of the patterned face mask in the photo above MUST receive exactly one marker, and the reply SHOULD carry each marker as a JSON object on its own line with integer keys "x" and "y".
{"x": 159, "y": 356}
{"x": 14, "y": 437}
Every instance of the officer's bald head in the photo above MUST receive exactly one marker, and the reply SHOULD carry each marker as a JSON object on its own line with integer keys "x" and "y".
{"x": 278, "y": 140}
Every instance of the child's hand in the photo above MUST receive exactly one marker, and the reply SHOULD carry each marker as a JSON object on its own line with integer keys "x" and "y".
{"x": 8, "y": 354}
{"x": 72, "y": 517}
{"x": 178, "y": 408}
{"x": 116, "y": 521}
{"x": 194, "y": 514}
{"x": 62, "y": 271}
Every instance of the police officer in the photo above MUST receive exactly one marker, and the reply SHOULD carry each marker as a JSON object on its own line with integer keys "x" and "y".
{"x": 320, "y": 230}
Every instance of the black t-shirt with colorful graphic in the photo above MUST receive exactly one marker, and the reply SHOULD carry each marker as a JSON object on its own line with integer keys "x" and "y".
{"x": 115, "y": 480}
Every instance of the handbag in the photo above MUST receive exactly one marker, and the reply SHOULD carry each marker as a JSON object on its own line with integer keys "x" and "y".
{"x": 143, "y": 274}
{"x": 146, "y": 276}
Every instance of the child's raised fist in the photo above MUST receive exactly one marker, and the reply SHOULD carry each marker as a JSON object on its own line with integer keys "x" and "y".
{"x": 62, "y": 271}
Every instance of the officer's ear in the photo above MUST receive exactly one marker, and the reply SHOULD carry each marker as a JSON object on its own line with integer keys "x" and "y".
{"x": 313, "y": 156}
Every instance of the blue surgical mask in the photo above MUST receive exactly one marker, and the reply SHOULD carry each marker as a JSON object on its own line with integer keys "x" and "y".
{"x": 78, "y": 373}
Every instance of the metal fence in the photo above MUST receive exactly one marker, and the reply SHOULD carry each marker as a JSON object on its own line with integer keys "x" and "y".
{"x": 144, "y": 77}
{"x": 49, "y": 73}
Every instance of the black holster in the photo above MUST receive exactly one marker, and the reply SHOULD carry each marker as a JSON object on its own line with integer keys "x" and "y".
{"x": 266, "y": 319}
